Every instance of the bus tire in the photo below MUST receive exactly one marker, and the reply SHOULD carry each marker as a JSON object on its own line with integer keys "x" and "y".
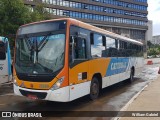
{"x": 94, "y": 89}
{"x": 131, "y": 76}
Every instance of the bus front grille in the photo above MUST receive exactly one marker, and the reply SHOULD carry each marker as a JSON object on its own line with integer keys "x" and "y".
{"x": 39, "y": 95}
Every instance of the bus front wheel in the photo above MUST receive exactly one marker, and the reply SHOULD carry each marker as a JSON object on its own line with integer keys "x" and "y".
{"x": 94, "y": 89}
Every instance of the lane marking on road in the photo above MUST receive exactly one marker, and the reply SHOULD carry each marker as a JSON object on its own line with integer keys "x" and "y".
{"x": 7, "y": 94}
{"x": 132, "y": 99}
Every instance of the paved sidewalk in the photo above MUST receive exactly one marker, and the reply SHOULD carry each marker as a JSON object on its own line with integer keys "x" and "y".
{"x": 147, "y": 100}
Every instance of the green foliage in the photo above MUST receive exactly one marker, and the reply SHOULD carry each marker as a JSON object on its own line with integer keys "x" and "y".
{"x": 158, "y": 48}
{"x": 13, "y": 13}
{"x": 154, "y": 50}
{"x": 149, "y": 44}
{"x": 39, "y": 13}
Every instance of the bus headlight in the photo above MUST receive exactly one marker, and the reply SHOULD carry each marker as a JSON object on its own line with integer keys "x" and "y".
{"x": 15, "y": 81}
{"x": 58, "y": 83}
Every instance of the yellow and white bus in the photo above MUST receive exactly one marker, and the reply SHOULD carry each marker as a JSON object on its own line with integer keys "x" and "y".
{"x": 65, "y": 59}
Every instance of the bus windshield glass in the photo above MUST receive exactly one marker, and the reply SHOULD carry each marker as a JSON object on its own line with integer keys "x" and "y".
{"x": 40, "y": 53}
{"x": 2, "y": 51}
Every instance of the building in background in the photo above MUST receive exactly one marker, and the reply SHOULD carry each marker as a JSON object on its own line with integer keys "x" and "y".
{"x": 149, "y": 32}
{"x": 125, "y": 17}
{"x": 156, "y": 39}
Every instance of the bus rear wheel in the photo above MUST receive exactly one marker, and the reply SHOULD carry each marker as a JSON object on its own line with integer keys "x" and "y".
{"x": 94, "y": 89}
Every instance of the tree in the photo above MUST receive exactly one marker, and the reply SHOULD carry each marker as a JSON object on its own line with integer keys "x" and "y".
{"x": 149, "y": 44}
{"x": 14, "y": 14}
{"x": 40, "y": 13}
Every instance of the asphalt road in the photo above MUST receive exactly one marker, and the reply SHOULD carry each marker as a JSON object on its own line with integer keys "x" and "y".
{"x": 112, "y": 98}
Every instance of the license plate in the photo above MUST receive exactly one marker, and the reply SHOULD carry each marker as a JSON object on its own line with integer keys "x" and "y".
{"x": 33, "y": 97}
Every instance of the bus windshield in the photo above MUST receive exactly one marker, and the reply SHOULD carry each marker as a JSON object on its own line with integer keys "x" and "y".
{"x": 41, "y": 54}
{"x": 2, "y": 51}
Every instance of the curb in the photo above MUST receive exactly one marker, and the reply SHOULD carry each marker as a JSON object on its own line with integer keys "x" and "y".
{"x": 132, "y": 99}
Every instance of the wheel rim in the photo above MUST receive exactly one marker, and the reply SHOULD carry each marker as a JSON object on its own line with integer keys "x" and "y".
{"x": 94, "y": 89}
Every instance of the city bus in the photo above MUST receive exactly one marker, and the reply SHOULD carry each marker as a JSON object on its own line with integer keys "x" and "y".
{"x": 65, "y": 59}
{"x": 5, "y": 61}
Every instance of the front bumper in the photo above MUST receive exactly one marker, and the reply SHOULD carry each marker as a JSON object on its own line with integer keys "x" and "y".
{"x": 60, "y": 95}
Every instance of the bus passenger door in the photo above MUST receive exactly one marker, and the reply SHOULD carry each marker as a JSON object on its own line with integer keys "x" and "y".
{"x": 3, "y": 63}
{"x": 78, "y": 70}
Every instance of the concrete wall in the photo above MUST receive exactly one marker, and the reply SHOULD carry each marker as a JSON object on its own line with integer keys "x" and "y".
{"x": 149, "y": 34}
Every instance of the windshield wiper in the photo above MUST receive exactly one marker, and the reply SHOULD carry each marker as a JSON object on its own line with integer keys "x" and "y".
{"x": 59, "y": 57}
{"x": 43, "y": 42}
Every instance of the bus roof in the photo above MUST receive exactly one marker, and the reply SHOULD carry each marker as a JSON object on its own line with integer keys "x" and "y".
{"x": 99, "y": 30}
{"x": 92, "y": 28}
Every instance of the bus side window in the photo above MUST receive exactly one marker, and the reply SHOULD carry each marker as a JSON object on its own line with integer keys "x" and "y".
{"x": 2, "y": 51}
{"x": 122, "y": 48}
{"x": 80, "y": 48}
{"x": 77, "y": 48}
{"x": 97, "y": 45}
{"x": 111, "y": 46}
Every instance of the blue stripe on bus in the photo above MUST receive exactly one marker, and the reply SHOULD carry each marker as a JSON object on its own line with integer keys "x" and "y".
{"x": 9, "y": 60}
{"x": 117, "y": 65}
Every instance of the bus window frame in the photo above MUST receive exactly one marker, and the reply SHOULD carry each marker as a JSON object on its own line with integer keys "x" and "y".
{"x": 92, "y": 33}
{"x": 88, "y": 51}
{"x": 132, "y": 47}
{"x": 73, "y": 48}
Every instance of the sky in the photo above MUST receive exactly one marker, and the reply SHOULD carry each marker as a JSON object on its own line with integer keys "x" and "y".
{"x": 154, "y": 15}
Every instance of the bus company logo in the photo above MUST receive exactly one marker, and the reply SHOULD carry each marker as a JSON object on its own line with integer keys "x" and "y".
{"x": 119, "y": 65}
